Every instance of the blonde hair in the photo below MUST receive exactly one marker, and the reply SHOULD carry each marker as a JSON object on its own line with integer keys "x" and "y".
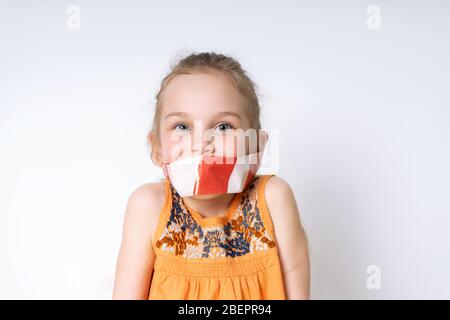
{"x": 204, "y": 62}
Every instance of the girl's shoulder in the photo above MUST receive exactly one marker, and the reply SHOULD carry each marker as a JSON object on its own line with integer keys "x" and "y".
{"x": 277, "y": 196}
{"x": 272, "y": 186}
{"x": 148, "y": 199}
{"x": 275, "y": 185}
{"x": 148, "y": 194}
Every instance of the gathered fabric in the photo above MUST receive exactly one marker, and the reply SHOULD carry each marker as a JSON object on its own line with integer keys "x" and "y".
{"x": 233, "y": 256}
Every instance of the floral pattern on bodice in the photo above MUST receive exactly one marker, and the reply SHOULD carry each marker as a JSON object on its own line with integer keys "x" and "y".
{"x": 243, "y": 234}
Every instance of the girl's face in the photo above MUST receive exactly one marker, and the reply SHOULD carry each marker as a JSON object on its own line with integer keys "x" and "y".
{"x": 200, "y": 115}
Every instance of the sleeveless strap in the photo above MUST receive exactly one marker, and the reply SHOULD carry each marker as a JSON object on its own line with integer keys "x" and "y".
{"x": 164, "y": 213}
{"x": 262, "y": 204}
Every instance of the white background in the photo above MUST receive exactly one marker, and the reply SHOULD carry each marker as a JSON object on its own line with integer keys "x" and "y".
{"x": 363, "y": 117}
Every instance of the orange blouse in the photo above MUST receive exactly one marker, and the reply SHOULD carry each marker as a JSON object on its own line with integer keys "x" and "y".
{"x": 229, "y": 257}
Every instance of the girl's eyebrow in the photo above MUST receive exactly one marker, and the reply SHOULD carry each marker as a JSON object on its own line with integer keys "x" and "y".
{"x": 176, "y": 114}
{"x": 222, "y": 113}
{"x": 228, "y": 113}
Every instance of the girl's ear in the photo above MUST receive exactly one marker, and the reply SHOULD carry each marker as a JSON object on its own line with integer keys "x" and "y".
{"x": 155, "y": 146}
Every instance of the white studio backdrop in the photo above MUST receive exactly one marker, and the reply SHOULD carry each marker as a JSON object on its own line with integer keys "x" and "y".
{"x": 359, "y": 92}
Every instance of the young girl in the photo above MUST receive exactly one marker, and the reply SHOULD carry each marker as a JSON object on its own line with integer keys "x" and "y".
{"x": 244, "y": 245}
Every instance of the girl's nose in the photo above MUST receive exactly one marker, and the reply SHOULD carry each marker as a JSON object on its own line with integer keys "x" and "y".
{"x": 207, "y": 148}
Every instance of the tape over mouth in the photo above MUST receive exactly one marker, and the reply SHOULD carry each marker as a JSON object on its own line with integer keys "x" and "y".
{"x": 205, "y": 174}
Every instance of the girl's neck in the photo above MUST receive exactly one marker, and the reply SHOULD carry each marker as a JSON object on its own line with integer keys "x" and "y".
{"x": 210, "y": 206}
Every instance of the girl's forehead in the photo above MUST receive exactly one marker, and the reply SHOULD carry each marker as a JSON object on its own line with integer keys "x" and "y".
{"x": 202, "y": 94}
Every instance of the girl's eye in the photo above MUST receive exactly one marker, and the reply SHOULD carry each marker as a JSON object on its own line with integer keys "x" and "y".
{"x": 224, "y": 127}
{"x": 181, "y": 126}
